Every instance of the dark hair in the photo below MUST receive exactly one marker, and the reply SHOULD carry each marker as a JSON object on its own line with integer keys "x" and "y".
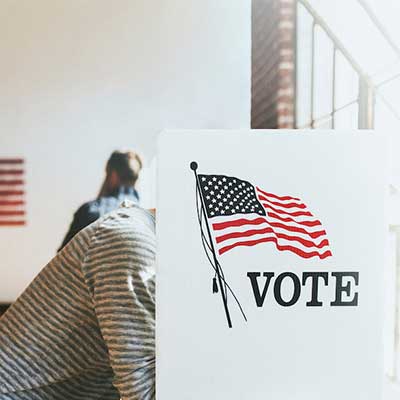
{"x": 126, "y": 164}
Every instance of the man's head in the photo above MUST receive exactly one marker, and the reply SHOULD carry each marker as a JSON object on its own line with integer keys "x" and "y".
{"x": 122, "y": 169}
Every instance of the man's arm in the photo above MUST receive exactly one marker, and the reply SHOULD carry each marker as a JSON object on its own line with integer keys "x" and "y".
{"x": 119, "y": 270}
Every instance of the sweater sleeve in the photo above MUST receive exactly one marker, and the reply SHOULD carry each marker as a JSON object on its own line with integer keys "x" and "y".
{"x": 119, "y": 271}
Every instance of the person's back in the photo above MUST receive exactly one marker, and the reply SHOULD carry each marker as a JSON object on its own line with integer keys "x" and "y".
{"x": 84, "y": 328}
{"x": 122, "y": 174}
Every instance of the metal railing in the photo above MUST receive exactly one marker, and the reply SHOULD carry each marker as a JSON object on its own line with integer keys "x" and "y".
{"x": 366, "y": 91}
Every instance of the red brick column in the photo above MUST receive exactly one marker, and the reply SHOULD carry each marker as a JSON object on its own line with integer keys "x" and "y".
{"x": 273, "y": 64}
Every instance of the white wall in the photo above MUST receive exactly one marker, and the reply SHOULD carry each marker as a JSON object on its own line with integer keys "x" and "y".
{"x": 80, "y": 78}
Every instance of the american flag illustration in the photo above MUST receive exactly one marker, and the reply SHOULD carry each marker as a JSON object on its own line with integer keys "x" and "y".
{"x": 241, "y": 214}
{"x": 12, "y": 192}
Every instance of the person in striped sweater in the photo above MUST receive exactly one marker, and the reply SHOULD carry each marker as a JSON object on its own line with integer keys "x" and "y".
{"x": 85, "y": 327}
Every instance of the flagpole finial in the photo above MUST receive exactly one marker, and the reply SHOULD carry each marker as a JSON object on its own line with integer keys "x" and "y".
{"x": 193, "y": 165}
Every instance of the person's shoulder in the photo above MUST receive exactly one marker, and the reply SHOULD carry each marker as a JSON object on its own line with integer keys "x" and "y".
{"x": 128, "y": 226}
{"x": 124, "y": 237}
{"x": 129, "y": 221}
{"x": 88, "y": 210}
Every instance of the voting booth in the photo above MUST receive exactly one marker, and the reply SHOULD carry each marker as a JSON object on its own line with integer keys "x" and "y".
{"x": 270, "y": 264}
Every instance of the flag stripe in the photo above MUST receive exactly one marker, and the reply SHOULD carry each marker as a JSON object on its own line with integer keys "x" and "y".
{"x": 11, "y": 192}
{"x": 12, "y": 202}
{"x": 244, "y": 228}
{"x": 252, "y": 232}
{"x": 238, "y": 222}
{"x": 293, "y": 214}
{"x": 274, "y": 196}
{"x": 288, "y": 219}
{"x": 306, "y": 243}
{"x": 11, "y": 161}
{"x": 293, "y": 249}
{"x": 12, "y": 223}
{"x": 290, "y": 228}
{"x": 285, "y": 205}
{"x": 281, "y": 241}
{"x": 11, "y": 182}
{"x": 11, "y": 171}
{"x": 9, "y": 213}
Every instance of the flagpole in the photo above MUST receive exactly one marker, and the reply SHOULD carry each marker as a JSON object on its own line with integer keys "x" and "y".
{"x": 193, "y": 167}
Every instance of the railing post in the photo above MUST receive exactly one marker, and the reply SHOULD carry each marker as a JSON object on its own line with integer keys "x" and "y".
{"x": 366, "y": 104}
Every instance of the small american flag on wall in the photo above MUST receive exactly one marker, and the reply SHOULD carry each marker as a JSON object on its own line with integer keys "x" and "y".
{"x": 242, "y": 214}
{"x": 12, "y": 192}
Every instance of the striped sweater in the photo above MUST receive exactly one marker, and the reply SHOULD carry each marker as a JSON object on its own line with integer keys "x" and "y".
{"x": 84, "y": 328}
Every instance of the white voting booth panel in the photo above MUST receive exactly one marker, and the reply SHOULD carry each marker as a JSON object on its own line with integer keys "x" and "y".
{"x": 270, "y": 257}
